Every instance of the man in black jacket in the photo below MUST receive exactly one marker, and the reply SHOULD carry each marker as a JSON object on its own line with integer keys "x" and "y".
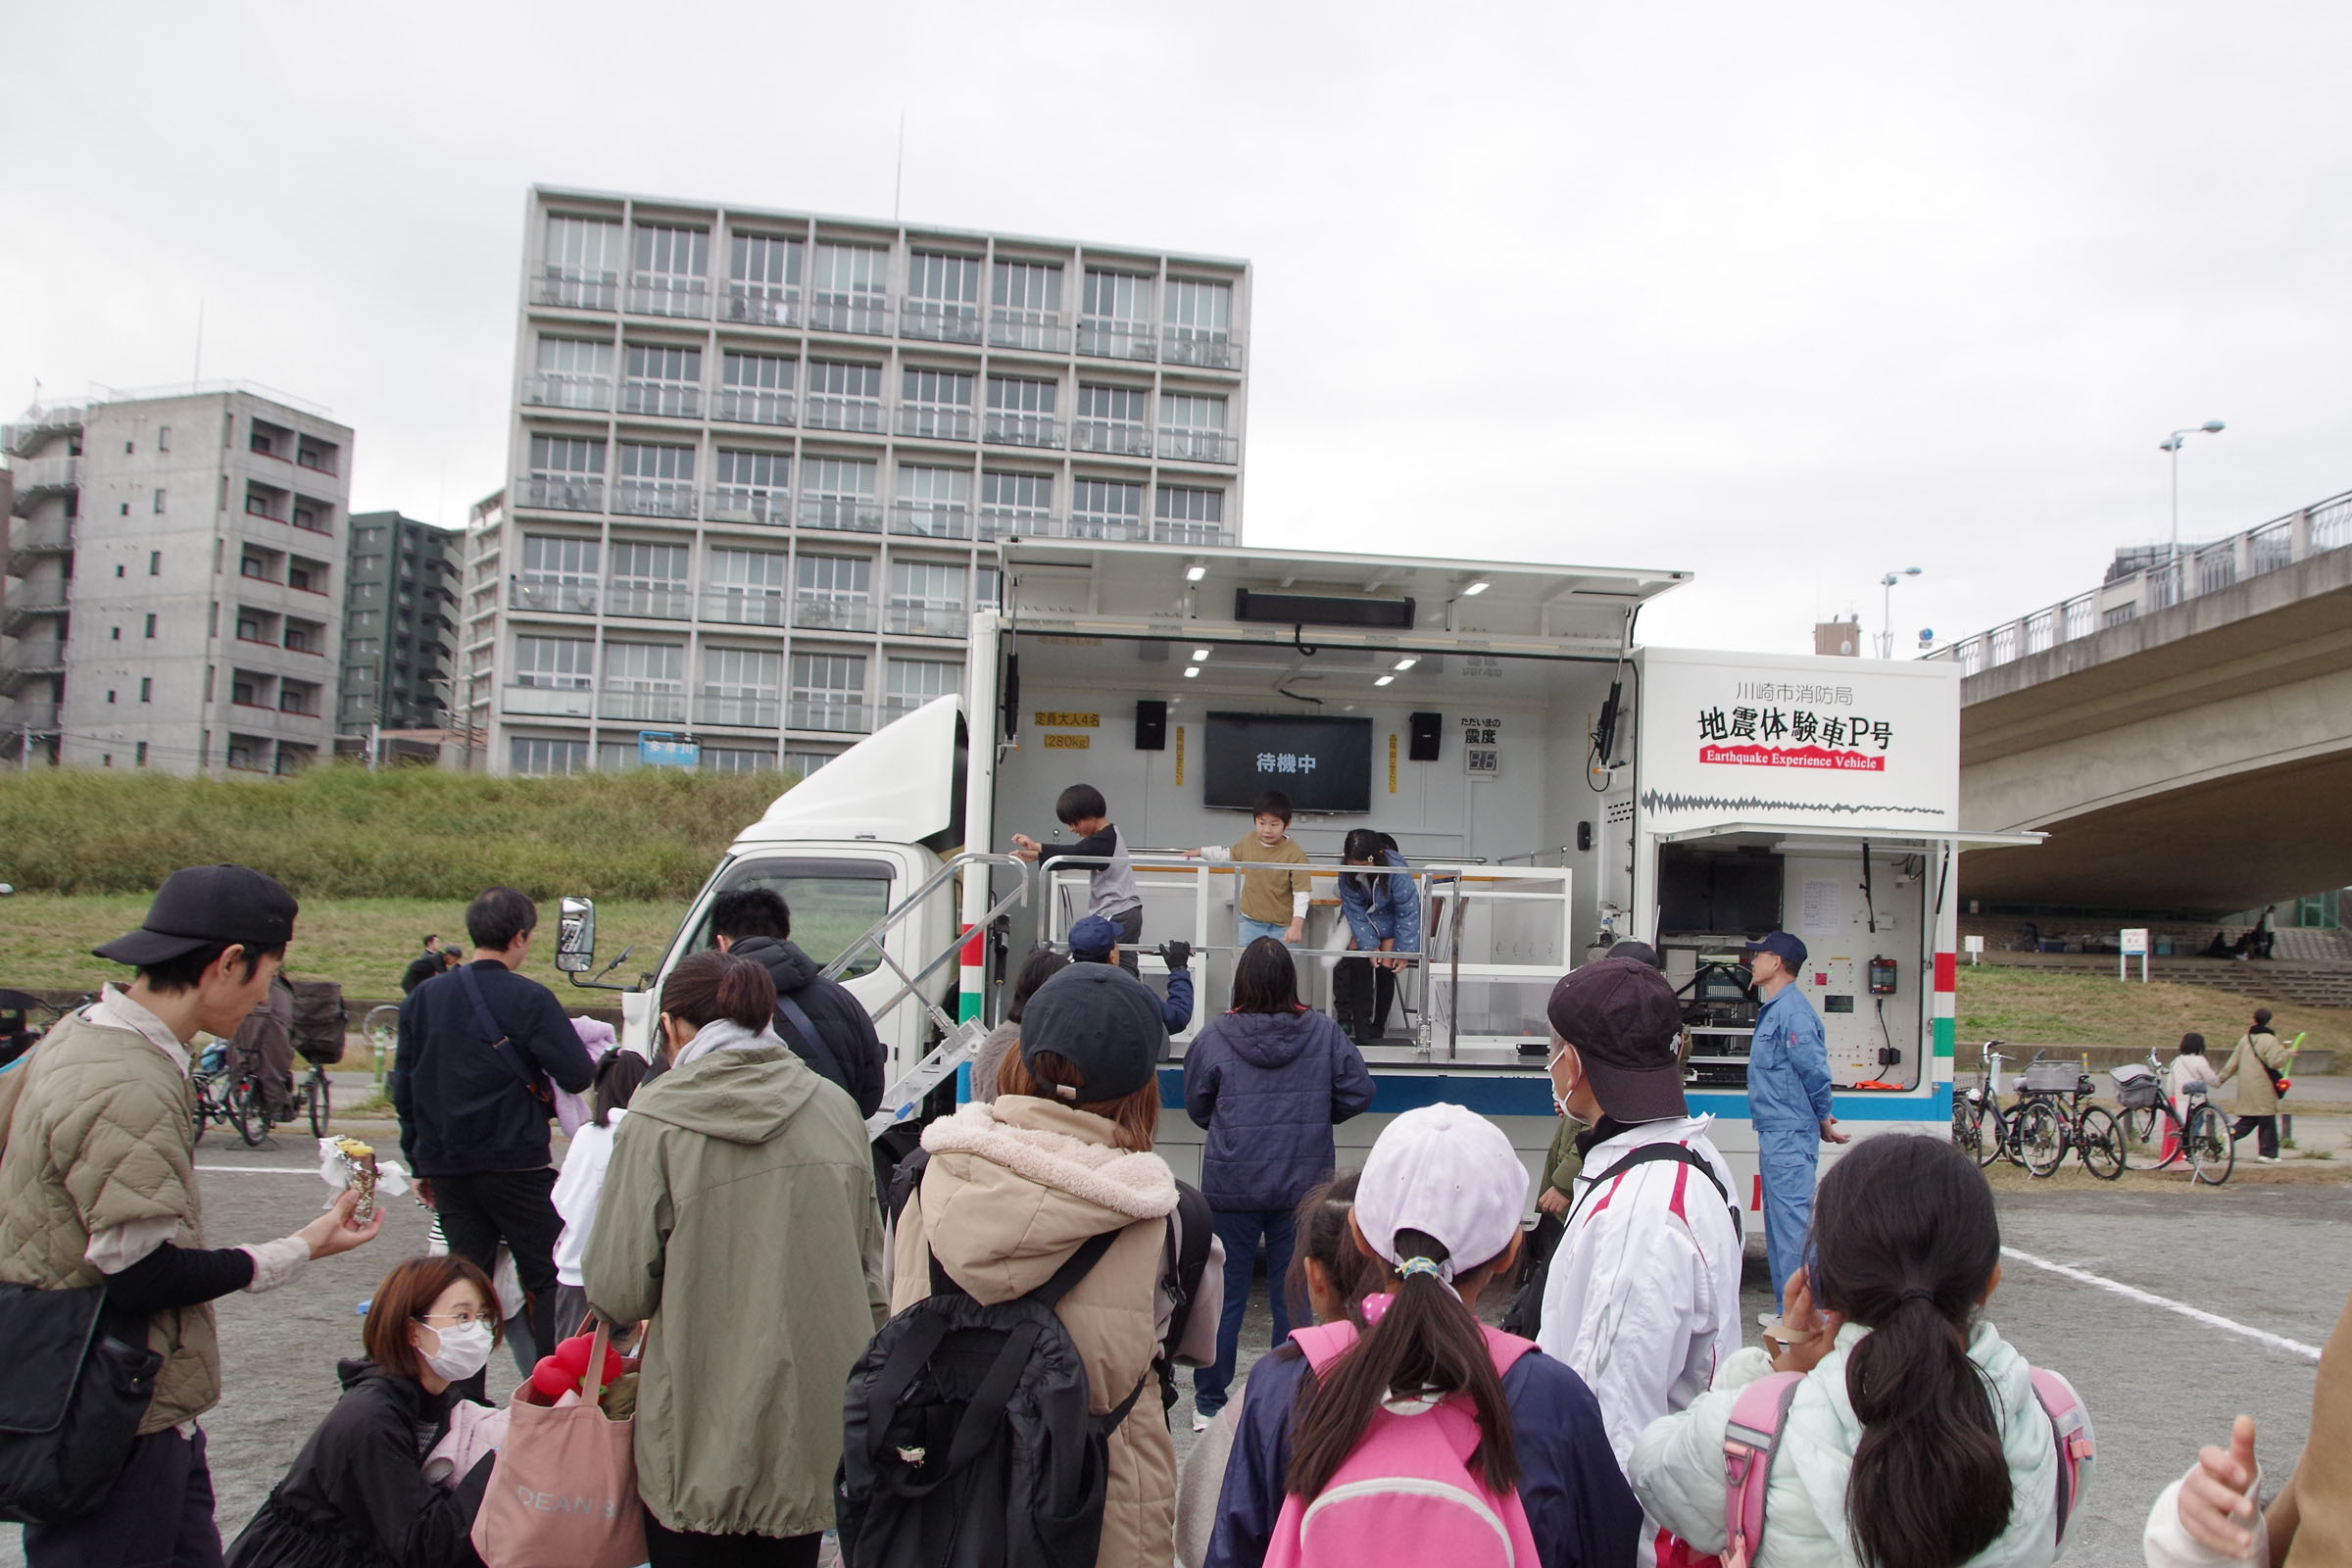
{"x": 834, "y": 1032}
{"x": 477, "y": 1049}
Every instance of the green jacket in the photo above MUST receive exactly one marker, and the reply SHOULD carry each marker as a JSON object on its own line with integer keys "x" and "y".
{"x": 1563, "y": 1162}
{"x": 738, "y": 1216}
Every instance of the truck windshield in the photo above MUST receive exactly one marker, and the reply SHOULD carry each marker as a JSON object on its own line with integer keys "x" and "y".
{"x": 833, "y": 904}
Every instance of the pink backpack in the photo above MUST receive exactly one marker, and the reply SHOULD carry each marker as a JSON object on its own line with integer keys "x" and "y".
{"x": 1754, "y": 1431}
{"x": 1406, "y": 1491}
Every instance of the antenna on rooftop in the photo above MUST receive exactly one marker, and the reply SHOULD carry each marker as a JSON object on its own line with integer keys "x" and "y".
{"x": 898, "y": 181}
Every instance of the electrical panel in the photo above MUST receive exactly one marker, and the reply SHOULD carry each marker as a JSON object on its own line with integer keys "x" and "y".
{"x": 1849, "y": 1026}
{"x": 1881, "y": 977}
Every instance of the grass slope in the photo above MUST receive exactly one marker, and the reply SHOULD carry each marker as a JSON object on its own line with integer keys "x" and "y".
{"x": 2062, "y": 1009}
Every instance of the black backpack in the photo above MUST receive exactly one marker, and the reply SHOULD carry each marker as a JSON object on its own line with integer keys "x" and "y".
{"x": 965, "y": 1438}
{"x": 1526, "y": 1313}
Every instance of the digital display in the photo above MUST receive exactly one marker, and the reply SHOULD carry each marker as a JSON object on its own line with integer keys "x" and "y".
{"x": 1323, "y": 764}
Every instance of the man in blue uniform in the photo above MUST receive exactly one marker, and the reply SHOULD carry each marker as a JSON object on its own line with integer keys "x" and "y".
{"x": 1788, "y": 1100}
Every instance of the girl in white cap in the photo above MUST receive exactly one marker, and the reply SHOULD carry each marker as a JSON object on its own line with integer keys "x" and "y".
{"x": 1410, "y": 1432}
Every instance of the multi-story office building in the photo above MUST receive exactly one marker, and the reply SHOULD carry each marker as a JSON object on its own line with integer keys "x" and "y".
{"x": 174, "y": 601}
{"x": 761, "y": 463}
{"x": 400, "y": 628}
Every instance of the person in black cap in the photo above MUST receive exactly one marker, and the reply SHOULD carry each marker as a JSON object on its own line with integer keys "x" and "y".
{"x": 98, "y": 1187}
{"x": 1644, "y": 1296}
{"x": 1095, "y": 940}
{"x": 1788, "y": 1100}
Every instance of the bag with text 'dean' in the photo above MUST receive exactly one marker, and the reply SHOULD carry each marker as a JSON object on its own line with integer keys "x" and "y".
{"x": 564, "y": 1491}
{"x": 1408, "y": 1478}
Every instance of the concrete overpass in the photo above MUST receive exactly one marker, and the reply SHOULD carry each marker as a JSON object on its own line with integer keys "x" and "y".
{"x": 2183, "y": 734}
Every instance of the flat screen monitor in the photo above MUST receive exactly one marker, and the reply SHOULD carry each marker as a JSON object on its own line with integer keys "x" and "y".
{"x": 1718, "y": 894}
{"x": 1323, "y": 764}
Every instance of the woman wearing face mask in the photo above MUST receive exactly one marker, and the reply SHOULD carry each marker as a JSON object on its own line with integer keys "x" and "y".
{"x": 356, "y": 1496}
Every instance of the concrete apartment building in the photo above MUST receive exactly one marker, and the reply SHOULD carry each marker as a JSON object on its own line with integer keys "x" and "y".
{"x": 173, "y": 598}
{"x": 400, "y": 628}
{"x": 761, "y": 463}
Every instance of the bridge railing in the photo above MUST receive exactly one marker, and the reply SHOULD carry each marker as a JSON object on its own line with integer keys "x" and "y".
{"x": 2198, "y": 569}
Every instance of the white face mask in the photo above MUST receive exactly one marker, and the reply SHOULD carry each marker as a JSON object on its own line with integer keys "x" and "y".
{"x": 465, "y": 1350}
{"x": 1559, "y": 1101}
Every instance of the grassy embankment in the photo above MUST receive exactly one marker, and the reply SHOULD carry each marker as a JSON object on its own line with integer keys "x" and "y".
{"x": 2039, "y": 1007}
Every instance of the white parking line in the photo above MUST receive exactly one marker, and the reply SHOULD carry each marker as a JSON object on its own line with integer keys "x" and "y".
{"x": 2147, "y": 1298}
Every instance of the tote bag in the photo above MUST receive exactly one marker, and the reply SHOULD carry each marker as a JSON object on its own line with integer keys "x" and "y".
{"x": 563, "y": 1490}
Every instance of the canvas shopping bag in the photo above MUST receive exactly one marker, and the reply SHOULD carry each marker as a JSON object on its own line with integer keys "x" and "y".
{"x": 564, "y": 1491}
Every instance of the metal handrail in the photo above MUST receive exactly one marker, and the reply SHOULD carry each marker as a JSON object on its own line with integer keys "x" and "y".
{"x": 912, "y": 985}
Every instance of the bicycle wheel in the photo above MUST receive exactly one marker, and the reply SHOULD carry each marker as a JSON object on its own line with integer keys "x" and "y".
{"x": 1968, "y": 1127}
{"x": 237, "y": 1111}
{"x": 2100, "y": 1142}
{"x": 381, "y": 1028}
{"x": 2041, "y": 1138}
{"x": 202, "y": 1112}
{"x": 2142, "y": 1131}
{"x": 320, "y": 1099}
{"x": 2212, "y": 1153}
{"x": 2000, "y": 1136}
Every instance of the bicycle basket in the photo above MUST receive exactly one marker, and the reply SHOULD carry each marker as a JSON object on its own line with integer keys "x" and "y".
{"x": 2137, "y": 1094}
{"x": 2051, "y": 1078}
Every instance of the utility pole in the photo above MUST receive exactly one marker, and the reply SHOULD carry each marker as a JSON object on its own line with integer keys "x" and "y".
{"x": 376, "y": 730}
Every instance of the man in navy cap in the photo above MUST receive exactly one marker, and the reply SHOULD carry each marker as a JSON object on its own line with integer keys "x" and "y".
{"x": 1095, "y": 940}
{"x": 1788, "y": 1100}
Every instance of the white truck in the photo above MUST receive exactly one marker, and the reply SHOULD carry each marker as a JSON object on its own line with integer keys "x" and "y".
{"x": 1553, "y": 785}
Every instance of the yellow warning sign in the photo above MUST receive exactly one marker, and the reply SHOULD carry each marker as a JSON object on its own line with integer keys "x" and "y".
{"x": 1392, "y": 764}
{"x": 1056, "y": 720}
{"x": 1065, "y": 742}
{"x": 1180, "y": 756}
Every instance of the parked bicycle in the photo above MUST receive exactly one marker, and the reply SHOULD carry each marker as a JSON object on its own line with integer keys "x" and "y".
{"x": 2157, "y": 1135}
{"x": 19, "y": 1029}
{"x": 382, "y": 1030}
{"x": 223, "y": 1098}
{"x": 2054, "y": 1115}
{"x": 1980, "y": 1128}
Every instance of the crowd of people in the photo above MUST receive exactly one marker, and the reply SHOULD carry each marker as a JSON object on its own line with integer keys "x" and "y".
{"x": 971, "y": 1359}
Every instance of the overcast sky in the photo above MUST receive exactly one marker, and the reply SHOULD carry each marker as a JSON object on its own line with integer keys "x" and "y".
{"x": 1787, "y": 295}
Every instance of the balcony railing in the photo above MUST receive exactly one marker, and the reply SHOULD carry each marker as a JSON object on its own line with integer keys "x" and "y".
{"x": 936, "y": 421}
{"x": 833, "y": 615}
{"x": 1205, "y": 348}
{"x": 27, "y": 603}
{"x": 1111, "y": 435}
{"x": 668, "y": 294}
{"x": 26, "y": 436}
{"x": 761, "y": 305}
{"x": 549, "y": 702}
{"x": 553, "y": 492}
{"x": 840, "y": 718}
{"x": 35, "y": 659}
{"x": 674, "y": 400}
{"x": 559, "y": 389}
{"x": 1199, "y": 446}
{"x": 850, "y": 313}
{"x": 746, "y": 405}
{"x": 828, "y": 411}
{"x": 744, "y": 606}
{"x": 1029, "y": 522}
{"x": 553, "y": 598}
{"x": 654, "y": 601}
{"x": 744, "y": 504}
{"x": 39, "y": 717}
{"x": 1107, "y": 339}
{"x": 939, "y": 321}
{"x": 1022, "y": 429}
{"x": 927, "y": 620}
{"x": 46, "y": 475}
{"x": 748, "y": 713}
{"x": 667, "y": 708}
{"x": 846, "y": 514}
{"x": 652, "y": 498}
{"x": 920, "y": 520}
{"x": 576, "y": 290}
{"x": 1039, "y": 330}
{"x": 1112, "y": 526}
{"x": 1177, "y": 531}
{"x": 30, "y": 541}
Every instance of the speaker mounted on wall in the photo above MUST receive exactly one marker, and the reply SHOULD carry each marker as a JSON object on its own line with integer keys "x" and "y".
{"x": 1424, "y": 729}
{"x": 1150, "y": 726}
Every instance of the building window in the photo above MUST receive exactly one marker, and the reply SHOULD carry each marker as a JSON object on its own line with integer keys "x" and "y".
{"x": 943, "y": 298}
{"x": 740, "y": 686}
{"x": 1192, "y": 427}
{"x": 155, "y": 562}
{"x": 567, "y": 473}
{"x": 581, "y": 265}
{"x": 151, "y": 624}
{"x": 1188, "y": 516}
{"x": 839, "y": 493}
{"x": 751, "y": 487}
{"x": 734, "y": 759}
{"x": 1110, "y": 419}
{"x": 1025, "y": 307}
{"x": 558, "y": 574}
{"x": 937, "y": 403}
{"x": 671, "y": 268}
{"x": 159, "y": 500}
{"x": 1114, "y": 319}
{"x": 644, "y": 681}
{"x": 933, "y": 503}
{"x": 163, "y": 440}
{"x": 663, "y": 380}
{"x": 988, "y": 589}
{"x": 648, "y": 579}
{"x": 298, "y": 697}
{"x": 927, "y": 597}
{"x": 528, "y": 756}
{"x": 308, "y": 575}
{"x": 654, "y": 481}
{"x": 1015, "y": 503}
{"x": 843, "y": 397}
{"x": 912, "y": 682}
{"x": 1200, "y": 325}
{"x": 763, "y": 278}
{"x": 755, "y": 388}
{"x": 572, "y": 373}
{"x": 834, "y": 593}
{"x": 1020, "y": 412}
{"x": 848, "y": 293}
{"x": 828, "y": 692}
{"x": 745, "y": 587}
{"x": 561, "y": 664}
{"x": 257, "y": 566}
{"x": 139, "y": 758}
{"x": 1107, "y": 509}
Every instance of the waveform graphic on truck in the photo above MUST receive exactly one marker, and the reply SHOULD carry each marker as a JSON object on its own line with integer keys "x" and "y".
{"x": 1815, "y": 757}
{"x": 1673, "y": 800}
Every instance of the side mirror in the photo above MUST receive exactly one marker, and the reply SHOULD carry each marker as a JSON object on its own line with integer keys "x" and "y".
{"x": 576, "y": 936}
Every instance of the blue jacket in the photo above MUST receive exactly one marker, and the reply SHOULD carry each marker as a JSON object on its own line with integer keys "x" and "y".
{"x": 1177, "y": 1010}
{"x": 1579, "y": 1509}
{"x": 462, "y": 1110}
{"x": 1269, "y": 1087}
{"x": 1787, "y": 1065}
{"x": 1390, "y": 908}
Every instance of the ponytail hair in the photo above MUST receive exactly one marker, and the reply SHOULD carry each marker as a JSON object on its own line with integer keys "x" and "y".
{"x": 1904, "y": 1241}
{"x": 1427, "y": 1345}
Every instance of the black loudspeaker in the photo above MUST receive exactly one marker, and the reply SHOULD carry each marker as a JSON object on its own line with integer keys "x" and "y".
{"x": 1423, "y": 747}
{"x": 1151, "y": 727}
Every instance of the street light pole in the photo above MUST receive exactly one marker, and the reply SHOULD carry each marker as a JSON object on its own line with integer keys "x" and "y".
{"x": 1886, "y": 635}
{"x": 2172, "y": 444}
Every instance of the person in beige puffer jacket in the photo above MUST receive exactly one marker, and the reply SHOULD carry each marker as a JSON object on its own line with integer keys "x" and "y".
{"x": 1014, "y": 1188}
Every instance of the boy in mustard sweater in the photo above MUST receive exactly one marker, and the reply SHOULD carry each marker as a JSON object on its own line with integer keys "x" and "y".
{"x": 1274, "y": 901}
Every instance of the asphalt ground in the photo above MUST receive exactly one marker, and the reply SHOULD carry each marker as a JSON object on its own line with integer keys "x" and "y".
{"x": 2271, "y": 1260}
